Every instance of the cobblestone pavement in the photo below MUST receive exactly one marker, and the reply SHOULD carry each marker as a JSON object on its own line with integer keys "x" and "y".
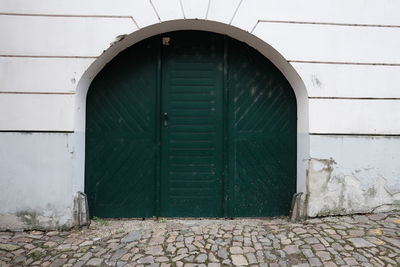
{"x": 360, "y": 240}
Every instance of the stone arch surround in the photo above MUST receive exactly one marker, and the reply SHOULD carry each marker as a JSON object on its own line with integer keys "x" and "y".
{"x": 264, "y": 48}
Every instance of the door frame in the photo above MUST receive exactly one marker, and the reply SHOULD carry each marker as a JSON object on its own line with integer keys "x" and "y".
{"x": 78, "y": 136}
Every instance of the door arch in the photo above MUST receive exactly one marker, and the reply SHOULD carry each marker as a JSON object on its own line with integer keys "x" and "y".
{"x": 231, "y": 91}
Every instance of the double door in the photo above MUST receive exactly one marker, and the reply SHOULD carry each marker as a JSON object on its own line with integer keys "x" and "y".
{"x": 190, "y": 124}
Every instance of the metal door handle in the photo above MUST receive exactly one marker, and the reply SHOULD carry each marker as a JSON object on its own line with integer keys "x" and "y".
{"x": 165, "y": 117}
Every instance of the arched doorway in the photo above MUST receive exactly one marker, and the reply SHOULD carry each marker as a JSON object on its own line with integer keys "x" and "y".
{"x": 190, "y": 124}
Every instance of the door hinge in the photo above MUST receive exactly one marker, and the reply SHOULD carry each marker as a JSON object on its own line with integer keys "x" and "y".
{"x": 166, "y": 40}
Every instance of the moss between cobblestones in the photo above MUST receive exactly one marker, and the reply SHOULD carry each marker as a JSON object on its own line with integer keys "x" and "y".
{"x": 227, "y": 231}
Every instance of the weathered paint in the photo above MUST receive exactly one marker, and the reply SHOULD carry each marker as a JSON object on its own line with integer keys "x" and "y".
{"x": 92, "y": 26}
{"x": 350, "y": 174}
{"x": 36, "y": 192}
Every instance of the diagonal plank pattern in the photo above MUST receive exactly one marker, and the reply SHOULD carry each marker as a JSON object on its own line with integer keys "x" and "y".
{"x": 120, "y": 144}
{"x": 262, "y": 135}
{"x": 198, "y": 126}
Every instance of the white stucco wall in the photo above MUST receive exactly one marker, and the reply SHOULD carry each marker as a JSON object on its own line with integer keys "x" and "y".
{"x": 341, "y": 57}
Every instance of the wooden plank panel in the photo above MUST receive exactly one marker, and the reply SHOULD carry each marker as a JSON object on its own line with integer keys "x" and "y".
{"x": 121, "y": 142}
{"x": 192, "y": 145}
{"x": 33, "y": 112}
{"x": 354, "y": 116}
{"x": 262, "y": 135}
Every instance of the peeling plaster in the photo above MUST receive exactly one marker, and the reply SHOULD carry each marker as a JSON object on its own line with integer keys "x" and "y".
{"x": 332, "y": 192}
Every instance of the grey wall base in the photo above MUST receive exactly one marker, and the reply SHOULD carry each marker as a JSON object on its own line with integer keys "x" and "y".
{"x": 353, "y": 174}
{"x": 37, "y": 182}
{"x": 40, "y": 187}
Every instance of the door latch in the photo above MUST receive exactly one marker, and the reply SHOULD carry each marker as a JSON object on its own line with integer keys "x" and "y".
{"x": 165, "y": 119}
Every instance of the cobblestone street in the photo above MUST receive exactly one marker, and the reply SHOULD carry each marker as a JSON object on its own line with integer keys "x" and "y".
{"x": 359, "y": 240}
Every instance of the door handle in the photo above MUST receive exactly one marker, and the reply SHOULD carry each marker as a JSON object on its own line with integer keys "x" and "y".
{"x": 165, "y": 119}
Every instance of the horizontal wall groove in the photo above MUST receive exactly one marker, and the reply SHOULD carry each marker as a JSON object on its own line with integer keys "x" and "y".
{"x": 67, "y": 16}
{"x": 356, "y": 134}
{"x": 42, "y": 56}
{"x": 330, "y": 23}
{"x": 37, "y": 93}
{"x": 354, "y": 98}
{"x": 72, "y": 16}
{"x": 345, "y": 63}
{"x": 35, "y": 131}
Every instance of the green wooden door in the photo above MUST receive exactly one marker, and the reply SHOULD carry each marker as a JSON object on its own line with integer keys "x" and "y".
{"x": 190, "y": 124}
{"x": 262, "y": 135}
{"x": 192, "y": 147}
{"x": 121, "y": 137}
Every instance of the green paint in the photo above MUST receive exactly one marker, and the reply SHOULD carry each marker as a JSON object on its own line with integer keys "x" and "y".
{"x": 202, "y": 127}
{"x": 262, "y": 135}
{"x": 192, "y": 77}
{"x": 121, "y": 140}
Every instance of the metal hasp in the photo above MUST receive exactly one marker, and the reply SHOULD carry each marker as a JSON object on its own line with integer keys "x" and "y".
{"x": 203, "y": 126}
